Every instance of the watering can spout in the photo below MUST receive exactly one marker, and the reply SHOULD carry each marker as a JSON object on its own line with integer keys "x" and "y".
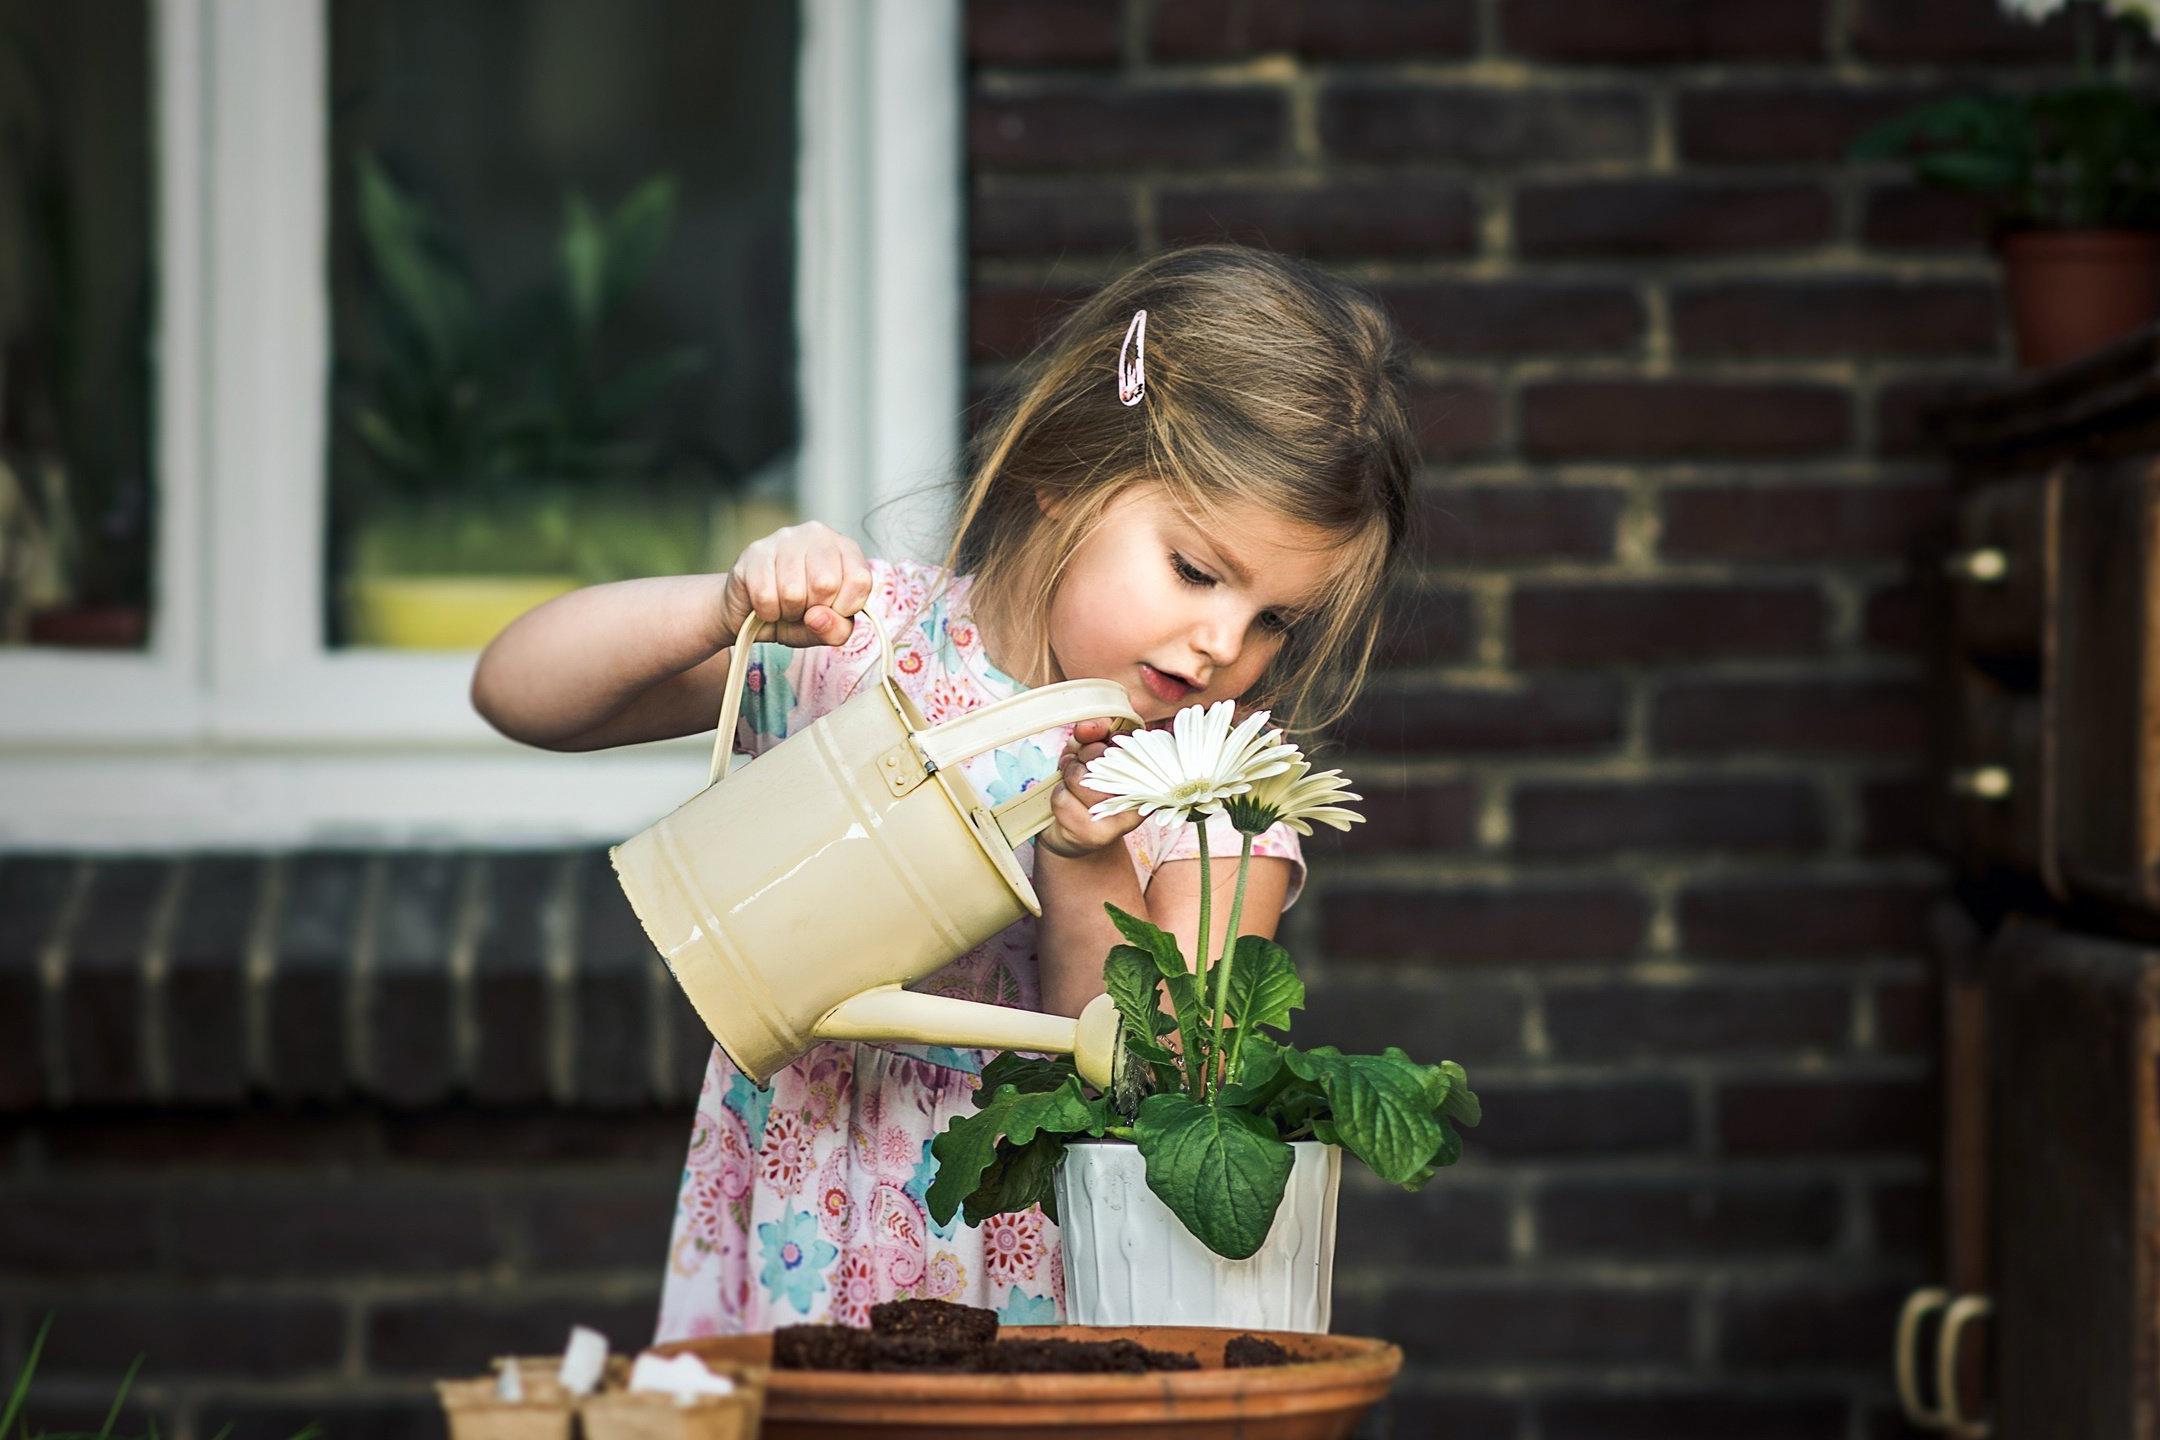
{"x": 891, "y": 1013}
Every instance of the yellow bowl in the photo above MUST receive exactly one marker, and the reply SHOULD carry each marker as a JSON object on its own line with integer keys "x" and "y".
{"x": 444, "y": 612}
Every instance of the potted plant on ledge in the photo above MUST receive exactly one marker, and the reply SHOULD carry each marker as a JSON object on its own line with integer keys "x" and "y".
{"x": 2072, "y": 175}
{"x": 1202, "y": 1189}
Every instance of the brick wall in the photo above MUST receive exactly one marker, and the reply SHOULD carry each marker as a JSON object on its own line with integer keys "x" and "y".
{"x": 1645, "y": 772}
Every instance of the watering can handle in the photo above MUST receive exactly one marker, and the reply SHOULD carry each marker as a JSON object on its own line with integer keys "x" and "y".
{"x": 738, "y": 671}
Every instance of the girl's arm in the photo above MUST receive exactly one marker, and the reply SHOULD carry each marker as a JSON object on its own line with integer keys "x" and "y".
{"x": 647, "y": 659}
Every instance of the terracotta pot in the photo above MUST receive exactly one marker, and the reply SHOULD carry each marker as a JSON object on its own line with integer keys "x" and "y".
{"x": 2073, "y": 291}
{"x": 1339, "y": 1378}
{"x": 92, "y": 627}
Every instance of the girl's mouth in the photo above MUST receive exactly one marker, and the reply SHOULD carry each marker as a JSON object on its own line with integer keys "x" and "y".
{"x": 1167, "y": 688}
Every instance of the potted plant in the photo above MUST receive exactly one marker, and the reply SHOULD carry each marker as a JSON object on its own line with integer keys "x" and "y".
{"x": 1202, "y": 1188}
{"x": 490, "y": 458}
{"x": 2072, "y": 175}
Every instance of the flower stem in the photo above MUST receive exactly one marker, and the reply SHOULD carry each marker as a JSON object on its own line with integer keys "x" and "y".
{"x": 1195, "y": 1064}
{"x": 1222, "y": 966}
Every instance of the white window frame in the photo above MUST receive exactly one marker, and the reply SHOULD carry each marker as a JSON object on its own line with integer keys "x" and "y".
{"x": 237, "y": 727}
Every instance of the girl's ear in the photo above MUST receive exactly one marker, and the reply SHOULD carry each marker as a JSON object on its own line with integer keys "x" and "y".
{"x": 1049, "y": 504}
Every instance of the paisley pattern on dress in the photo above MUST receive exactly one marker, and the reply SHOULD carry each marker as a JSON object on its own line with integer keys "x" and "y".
{"x": 807, "y": 1200}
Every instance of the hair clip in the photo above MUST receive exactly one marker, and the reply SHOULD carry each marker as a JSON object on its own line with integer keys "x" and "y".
{"x": 1132, "y": 379}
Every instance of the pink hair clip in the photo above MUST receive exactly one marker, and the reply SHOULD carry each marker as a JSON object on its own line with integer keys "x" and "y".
{"x": 1132, "y": 379}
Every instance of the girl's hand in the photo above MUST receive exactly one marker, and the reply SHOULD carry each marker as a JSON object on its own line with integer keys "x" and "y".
{"x": 1073, "y": 833}
{"x": 808, "y": 577}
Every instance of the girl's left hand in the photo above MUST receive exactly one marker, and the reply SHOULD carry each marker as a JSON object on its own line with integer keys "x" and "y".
{"x": 1073, "y": 833}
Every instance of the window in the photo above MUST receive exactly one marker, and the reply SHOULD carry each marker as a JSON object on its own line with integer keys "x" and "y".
{"x": 260, "y": 710}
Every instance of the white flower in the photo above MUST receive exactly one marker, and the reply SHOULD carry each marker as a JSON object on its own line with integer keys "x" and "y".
{"x": 1190, "y": 769}
{"x": 1295, "y": 797}
{"x": 2034, "y": 10}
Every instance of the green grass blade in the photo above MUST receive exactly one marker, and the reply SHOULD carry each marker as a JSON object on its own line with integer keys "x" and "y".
{"x": 9, "y": 1416}
{"x": 113, "y": 1415}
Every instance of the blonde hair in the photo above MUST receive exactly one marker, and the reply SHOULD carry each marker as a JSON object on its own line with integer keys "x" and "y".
{"x": 1268, "y": 382}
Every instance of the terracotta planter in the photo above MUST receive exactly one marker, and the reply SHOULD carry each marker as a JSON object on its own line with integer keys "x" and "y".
{"x": 2073, "y": 291}
{"x": 92, "y": 627}
{"x": 1130, "y": 1261}
{"x": 1339, "y": 1378}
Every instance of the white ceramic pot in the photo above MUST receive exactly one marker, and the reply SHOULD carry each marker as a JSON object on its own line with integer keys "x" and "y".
{"x": 1129, "y": 1261}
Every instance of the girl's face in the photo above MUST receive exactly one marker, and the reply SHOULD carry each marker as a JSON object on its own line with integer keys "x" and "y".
{"x": 1180, "y": 615}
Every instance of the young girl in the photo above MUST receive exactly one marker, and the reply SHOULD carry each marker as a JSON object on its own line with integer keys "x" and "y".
{"x": 1197, "y": 492}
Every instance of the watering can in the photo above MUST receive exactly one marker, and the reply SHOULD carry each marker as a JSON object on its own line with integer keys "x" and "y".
{"x": 793, "y": 899}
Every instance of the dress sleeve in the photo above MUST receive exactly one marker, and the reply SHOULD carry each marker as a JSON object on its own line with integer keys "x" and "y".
{"x": 1158, "y": 841}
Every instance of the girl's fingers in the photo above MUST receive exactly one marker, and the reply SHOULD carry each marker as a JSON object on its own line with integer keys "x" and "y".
{"x": 794, "y": 581}
{"x": 756, "y": 567}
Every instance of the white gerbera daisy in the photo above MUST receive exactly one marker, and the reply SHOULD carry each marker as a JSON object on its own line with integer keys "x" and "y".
{"x": 1295, "y": 797}
{"x": 1190, "y": 769}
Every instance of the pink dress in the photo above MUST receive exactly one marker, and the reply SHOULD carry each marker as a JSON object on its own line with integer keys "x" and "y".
{"x": 805, "y": 1201}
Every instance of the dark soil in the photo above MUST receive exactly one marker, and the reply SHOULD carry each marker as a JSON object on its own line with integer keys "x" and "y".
{"x": 937, "y": 1335}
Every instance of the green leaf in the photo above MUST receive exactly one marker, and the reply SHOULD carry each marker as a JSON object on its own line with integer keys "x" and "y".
{"x": 1377, "y": 1105}
{"x": 1261, "y": 1075}
{"x": 1220, "y": 1171}
{"x": 1162, "y": 948}
{"x": 1029, "y": 1074}
{"x": 1264, "y": 984}
{"x": 1016, "y": 1179}
{"x": 1130, "y": 978}
{"x": 970, "y": 1144}
{"x": 1461, "y": 1104}
{"x": 584, "y": 266}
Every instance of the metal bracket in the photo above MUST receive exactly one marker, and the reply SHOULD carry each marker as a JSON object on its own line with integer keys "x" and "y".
{"x": 904, "y": 767}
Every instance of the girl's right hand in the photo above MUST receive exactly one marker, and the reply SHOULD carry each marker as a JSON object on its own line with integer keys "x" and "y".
{"x": 808, "y": 577}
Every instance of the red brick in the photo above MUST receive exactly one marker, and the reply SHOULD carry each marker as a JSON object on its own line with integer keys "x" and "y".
{"x": 438, "y": 1335}
{"x": 1541, "y": 1323}
{"x": 1414, "y": 815}
{"x": 1605, "y": 1118}
{"x": 185, "y": 1338}
{"x": 1828, "y": 1116}
{"x": 1894, "y": 816}
{"x": 1036, "y": 32}
{"x": 1901, "y": 407}
{"x": 1659, "y": 1022}
{"x": 1792, "y": 918}
{"x": 1908, "y": 1017}
{"x": 1687, "y": 1219}
{"x": 1607, "y": 623}
{"x": 1599, "y": 817}
{"x": 352, "y": 1229}
{"x": 1051, "y": 218}
{"x": 1454, "y": 418}
{"x": 1474, "y": 1219}
{"x": 1811, "y": 1325}
{"x": 1082, "y": 125}
{"x": 1534, "y": 521}
{"x": 1878, "y": 520}
{"x": 1363, "y": 1012}
{"x": 1005, "y": 322}
{"x": 1791, "y": 717}
{"x": 1786, "y": 122}
{"x": 1421, "y": 216}
{"x": 1455, "y": 923}
{"x": 1548, "y": 714}
{"x": 1651, "y": 418}
{"x": 69, "y": 1231}
{"x": 1502, "y": 128}
{"x": 1323, "y": 29}
{"x": 1937, "y": 31}
{"x": 1841, "y": 317}
{"x": 1906, "y": 1218}
{"x": 155, "y": 1140}
{"x": 1516, "y": 317}
{"x": 1925, "y": 217}
{"x": 445, "y": 1137}
{"x": 1668, "y": 217}
{"x": 1435, "y": 626}
{"x": 1897, "y": 619}
{"x": 582, "y": 1227}
{"x": 1672, "y": 30}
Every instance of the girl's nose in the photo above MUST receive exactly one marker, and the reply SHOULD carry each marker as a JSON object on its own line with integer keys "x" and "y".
{"x": 1217, "y": 638}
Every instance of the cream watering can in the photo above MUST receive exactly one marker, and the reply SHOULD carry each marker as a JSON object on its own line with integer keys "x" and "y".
{"x": 794, "y": 898}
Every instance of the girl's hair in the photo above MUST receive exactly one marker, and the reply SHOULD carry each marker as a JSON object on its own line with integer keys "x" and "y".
{"x": 1267, "y": 382}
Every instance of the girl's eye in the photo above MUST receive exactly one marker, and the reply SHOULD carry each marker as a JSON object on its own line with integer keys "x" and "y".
{"x": 1275, "y": 623}
{"x": 1188, "y": 572}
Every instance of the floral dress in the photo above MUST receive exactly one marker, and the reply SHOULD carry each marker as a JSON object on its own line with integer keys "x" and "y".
{"x": 806, "y": 1201}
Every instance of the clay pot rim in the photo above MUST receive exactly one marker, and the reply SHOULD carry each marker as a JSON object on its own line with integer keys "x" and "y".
{"x": 2099, "y": 239}
{"x": 1359, "y": 1361}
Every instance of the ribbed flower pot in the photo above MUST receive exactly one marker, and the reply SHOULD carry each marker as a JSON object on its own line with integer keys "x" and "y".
{"x": 1129, "y": 1261}
{"x": 2073, "y": 291}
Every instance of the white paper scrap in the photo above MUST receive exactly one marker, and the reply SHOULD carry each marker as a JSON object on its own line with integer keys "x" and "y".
{"x": 509, "y": 1382}
{"x": 683, "y": 1376}
{"x": 584, "y": 1360}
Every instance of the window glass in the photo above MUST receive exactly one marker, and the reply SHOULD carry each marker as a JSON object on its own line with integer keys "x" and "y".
{"x": 561, "y": 266}
{"x": 76, "y": 311}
